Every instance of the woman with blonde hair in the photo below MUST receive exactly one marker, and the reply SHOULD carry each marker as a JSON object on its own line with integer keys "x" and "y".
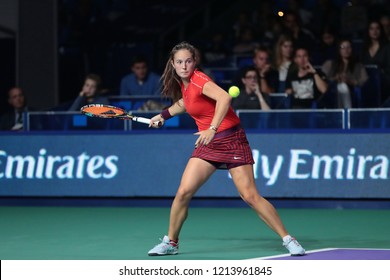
{"x": 283, "y": 58}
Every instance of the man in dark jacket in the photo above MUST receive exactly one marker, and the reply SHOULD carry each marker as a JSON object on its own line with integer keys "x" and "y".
{"x": 13, "y": 119}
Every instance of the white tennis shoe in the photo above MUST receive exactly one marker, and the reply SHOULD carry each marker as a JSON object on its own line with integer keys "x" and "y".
{"x": 164, "y": 248}
{"x": 293, "y": 246}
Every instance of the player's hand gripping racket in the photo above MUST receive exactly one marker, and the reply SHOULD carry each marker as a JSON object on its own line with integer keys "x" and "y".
{"x": 108, "y": 111}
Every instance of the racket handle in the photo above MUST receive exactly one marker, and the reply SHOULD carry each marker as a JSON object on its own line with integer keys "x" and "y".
{"x": 141, "y": 120}
{"x": 146, "y": 121}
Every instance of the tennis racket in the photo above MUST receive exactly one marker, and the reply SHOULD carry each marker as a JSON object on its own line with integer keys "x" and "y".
{"x": 109, "y": 111}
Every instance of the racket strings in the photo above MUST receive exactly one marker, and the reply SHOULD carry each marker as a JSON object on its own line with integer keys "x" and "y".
{"x": 103, "y": 111}
{"x": 109, "y": 112}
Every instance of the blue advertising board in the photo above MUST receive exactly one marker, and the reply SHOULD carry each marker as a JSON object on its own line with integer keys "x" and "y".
{"x": 304, "y": 165}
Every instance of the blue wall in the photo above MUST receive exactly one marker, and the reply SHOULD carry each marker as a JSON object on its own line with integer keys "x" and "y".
{"x": 304, "y": 165}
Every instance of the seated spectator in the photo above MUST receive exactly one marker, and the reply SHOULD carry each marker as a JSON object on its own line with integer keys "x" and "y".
{"x": 347, "y": 73}
{"x": 216, "y": 51}
{"x": 89, "y": 93}
{"x": 13, "y": 119}
{"x": 301, "y": 11}
{"x": 270, "y": 32}
{"x": 246, "y": 43}
{"x": 353, "y": 19}
{"x": 200, "y": 65}
{"x": 250, "y": 96}
{"x": 242, "y": 23}
{"x": 328, "y": 47}
{"x": 305, "y": 84}
{"x": 283, "y": 59}
{"x": 293, "y": 27}
{"x": 385, "y": 22}
{"x": 268, "y": 76}
{"x": 141, "y": 81}
{"x": 376, "y": 51}
{"x": 326, "y": 16}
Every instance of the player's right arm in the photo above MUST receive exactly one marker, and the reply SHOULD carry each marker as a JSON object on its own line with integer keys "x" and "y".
{"x": 176, "y": 109}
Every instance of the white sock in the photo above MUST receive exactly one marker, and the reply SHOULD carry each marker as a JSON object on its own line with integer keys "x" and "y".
{"x": 286, "y": 238}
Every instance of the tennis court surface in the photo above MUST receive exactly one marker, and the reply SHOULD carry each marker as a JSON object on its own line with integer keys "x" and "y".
{"x": 127, "y": 233}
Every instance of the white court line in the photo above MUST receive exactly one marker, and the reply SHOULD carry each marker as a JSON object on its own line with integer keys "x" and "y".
{"x": 373, "y": 249}
{"x": 316, "y": 251}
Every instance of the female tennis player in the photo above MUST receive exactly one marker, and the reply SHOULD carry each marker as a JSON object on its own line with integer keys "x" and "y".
{"x": 221, "y": 144}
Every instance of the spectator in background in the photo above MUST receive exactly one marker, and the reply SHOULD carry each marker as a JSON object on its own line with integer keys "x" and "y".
{"x": 298, "y": 7}
{"x": 267, "y": 25}
{"x": 326, "y": 15}
{"x": 216, "y": 52}
{"x": 301, "y": 36}
{"x": 328, "y": 47}
{"x": 353, "y": 19}
{"x": 283, "y": 56}
{"x": 246, "y": 43}
{"x": 242, "y": 23}
{"x": 376, "y": 51}
{"x": 385, "y": 22}
{"x": 13, "y": 119}
{"x": 250, "y": 96}
{"x": 141, "y": 81}
{"x": 268, "y": 75}
{"x": 200, "y": 64}
{"x": 347, "y": 74}
{"x": 90, "y": 93}
{"x": 305, "y": 84}
{"x": 272, "y": 29}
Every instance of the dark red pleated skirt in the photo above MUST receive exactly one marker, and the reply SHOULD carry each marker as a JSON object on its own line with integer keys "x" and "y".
{"x": 229, "y": 148}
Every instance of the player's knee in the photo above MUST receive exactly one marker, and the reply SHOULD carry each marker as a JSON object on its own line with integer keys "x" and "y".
{"x": 184, "y": 195}
{"x": 251, "y": 198}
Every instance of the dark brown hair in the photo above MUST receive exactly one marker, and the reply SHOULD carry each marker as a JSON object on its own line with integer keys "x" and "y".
{"x": 338, "y": 65}
{"x": 170, "y": 80}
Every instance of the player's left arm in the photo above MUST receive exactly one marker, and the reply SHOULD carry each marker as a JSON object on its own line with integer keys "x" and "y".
{"x": 223, "y": 101}
{"x": 222, "y": 98}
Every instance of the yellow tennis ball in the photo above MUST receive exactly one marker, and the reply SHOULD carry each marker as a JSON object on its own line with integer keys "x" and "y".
{"x": 234, "y": 91}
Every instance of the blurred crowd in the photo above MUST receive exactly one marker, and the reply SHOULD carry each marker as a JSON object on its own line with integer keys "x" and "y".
{"x": 321, "y": 54}
{"x": 345, "y": 43}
